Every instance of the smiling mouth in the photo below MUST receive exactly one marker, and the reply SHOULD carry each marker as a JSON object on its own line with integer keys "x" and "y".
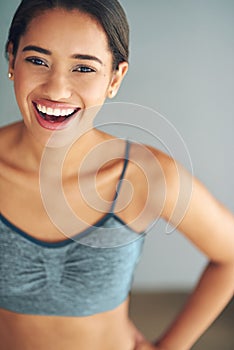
{"x": 55, "y": 115}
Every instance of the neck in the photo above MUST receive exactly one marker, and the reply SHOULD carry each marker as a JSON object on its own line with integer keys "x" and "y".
{"x": 28, "y": 149}
{"x": 54, "y": 153}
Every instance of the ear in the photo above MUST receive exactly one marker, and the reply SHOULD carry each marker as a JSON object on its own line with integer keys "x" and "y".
{"x": 117, "y": 79}
{"x": 11, "y": 61}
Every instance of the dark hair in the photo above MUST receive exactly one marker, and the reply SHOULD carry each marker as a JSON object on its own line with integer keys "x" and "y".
{"x": 109, "y": 14}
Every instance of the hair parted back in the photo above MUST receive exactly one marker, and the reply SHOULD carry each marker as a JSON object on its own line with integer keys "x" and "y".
{"x": 108, "y": 13}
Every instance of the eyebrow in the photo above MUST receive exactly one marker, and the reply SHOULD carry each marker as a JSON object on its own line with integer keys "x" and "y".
{"x": 37, "y": 49}
{"x": 49, "y": 53}
{"x": 87, "y": 57}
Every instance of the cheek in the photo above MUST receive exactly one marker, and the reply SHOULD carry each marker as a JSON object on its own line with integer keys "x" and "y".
{"x": 21, "y": 91}
{"x": 93, "y": 89}
{"x": 24, "y": 86}
{"x": 22, "y": 80}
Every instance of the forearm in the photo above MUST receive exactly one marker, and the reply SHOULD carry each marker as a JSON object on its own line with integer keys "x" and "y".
{"x": 211, "y": 295}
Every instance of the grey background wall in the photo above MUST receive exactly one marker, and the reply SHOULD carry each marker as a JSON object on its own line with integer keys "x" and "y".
{"x": 181, "y": 65}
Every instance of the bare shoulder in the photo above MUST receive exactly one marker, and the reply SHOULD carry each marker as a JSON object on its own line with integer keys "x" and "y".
{"x": 155, "y": 162}
{"x": 7, "y": 130}
{"x": 191, "y": 208}
{"x": 151, "y": 173}
{"x": 9, "y": 135}
{"x": 166, "y": 176}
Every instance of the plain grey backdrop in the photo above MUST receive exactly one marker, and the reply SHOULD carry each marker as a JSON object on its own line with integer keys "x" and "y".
{"x": 181, "y": 65}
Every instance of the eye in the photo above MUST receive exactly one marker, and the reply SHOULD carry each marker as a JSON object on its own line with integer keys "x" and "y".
{"x": 36, "y": 61}
{"x": 84, "y": 69}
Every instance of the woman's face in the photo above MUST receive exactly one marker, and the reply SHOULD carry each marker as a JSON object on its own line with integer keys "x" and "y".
{"x": 63, "y": 65}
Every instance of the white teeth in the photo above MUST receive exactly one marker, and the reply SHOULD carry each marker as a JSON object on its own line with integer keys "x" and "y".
{"x": 55, "y": 112}
{"x": 63, "y": 113}
{"x": 41, "y": 108}
{"x": 49, "y": 111}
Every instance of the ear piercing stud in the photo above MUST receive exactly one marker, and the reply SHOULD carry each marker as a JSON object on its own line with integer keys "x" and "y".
{"x": 10, "y": 75}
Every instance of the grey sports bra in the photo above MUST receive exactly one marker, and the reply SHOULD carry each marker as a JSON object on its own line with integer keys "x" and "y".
{"x": 70, "y": 277}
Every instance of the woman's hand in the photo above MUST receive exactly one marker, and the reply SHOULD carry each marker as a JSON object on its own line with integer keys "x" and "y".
{"x": 140, "y": 342}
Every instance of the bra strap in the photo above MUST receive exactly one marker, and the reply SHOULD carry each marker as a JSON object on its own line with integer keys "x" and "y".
{"x": 126, "y": 159}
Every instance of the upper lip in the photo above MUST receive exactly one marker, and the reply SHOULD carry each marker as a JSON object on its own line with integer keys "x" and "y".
{"x": 55, "y": 108}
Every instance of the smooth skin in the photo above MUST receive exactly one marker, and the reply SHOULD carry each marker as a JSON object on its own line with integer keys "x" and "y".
{"x": 61, "y": 78}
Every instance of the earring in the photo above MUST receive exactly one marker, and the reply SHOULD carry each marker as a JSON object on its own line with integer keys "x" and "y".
{"x": 10, "y": 75}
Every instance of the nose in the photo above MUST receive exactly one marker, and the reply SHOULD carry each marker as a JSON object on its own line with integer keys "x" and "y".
{"x": 57, "y": 86}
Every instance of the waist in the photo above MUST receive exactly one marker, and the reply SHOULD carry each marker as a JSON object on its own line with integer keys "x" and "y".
{"x": 102, "y": 331}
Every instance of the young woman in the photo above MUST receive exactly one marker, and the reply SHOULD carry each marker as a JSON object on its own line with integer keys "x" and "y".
{"x": 68, "y": 248}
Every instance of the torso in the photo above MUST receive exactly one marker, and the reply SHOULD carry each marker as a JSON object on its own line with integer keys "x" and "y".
{"x": 20, "y": 193}
{"x": 110, "y": 330}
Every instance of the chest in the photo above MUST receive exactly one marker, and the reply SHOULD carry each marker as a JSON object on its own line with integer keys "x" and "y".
{"x": 51, "y": 208}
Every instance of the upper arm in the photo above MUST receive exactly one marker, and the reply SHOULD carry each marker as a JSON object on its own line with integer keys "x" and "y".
{"x": 197, "y": 214}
